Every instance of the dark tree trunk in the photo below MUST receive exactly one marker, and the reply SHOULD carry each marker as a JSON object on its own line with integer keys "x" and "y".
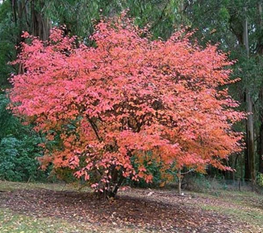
{"x": 110, "y": 189}
{"x": 250, "y": 147}
{"x": 30, "y": 16}
{"x": 260, "y": 100}
{"x": 260, "y": 149}
{"x": 40, "y": 23}
{"x": 260, "y": 133}
{"x": 250, "y": 151}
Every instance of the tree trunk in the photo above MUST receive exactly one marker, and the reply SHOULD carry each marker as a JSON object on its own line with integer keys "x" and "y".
{"x": 250, "y": 151}
{"x": 179, "y": 175}
{"x": 260, "y": 100}
{"x": 30, "y": 16}
{"x": 109, "y": 189}
{"x": 260, "y": 138}
{"x": 40, "y": 23}
{"x": 260, "y": 149}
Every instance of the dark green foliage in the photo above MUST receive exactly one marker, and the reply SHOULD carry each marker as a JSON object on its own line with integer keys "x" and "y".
{"x": 18, "y": 148}
{"x": 80, "y": 16}
{"x": 18, "y": 159}
{"x": 9, "y": 124}
{"x": 154, "y": 169}
{"x": 7, "y": 43}
{"x": 63, "y": 174}
{"x": 260, "y": 179}
{"x": 18, "y": 144}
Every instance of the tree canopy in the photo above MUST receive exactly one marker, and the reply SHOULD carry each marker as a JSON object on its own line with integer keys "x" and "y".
{"x": 128, "y": 100}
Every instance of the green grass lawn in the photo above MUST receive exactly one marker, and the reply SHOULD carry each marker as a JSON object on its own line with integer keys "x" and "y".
{"x": 14, "y": 222}
{"x": 246, "y": 206}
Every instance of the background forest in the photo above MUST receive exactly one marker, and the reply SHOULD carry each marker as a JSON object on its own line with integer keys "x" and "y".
{"x": 236, "y": 26}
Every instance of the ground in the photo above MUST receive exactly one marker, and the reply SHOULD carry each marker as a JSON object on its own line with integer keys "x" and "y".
{"x": 60, "y": 208}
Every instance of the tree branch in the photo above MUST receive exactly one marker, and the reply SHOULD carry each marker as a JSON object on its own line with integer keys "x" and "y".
{"x": 95, "y": 129}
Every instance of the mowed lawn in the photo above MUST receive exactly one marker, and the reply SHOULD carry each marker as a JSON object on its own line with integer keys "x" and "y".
{"x": 36, "y": 207}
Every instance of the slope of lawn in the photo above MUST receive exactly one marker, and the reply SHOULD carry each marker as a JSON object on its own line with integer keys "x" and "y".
{"x": 35, "y": 207}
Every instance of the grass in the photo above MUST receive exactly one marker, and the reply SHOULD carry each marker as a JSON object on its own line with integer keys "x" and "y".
{"x": 11, "y": 186}
{"x": 245, "y": 206}
{"x": 14, "y": 222}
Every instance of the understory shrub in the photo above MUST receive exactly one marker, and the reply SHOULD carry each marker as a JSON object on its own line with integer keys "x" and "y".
{"x": 18, "y": 159}
{"x": 18, "y": 148}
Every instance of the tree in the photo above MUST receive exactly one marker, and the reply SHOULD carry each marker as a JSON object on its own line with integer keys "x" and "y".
{"x": 30, "y": 16}
{"x": 129, "y": 100}
{"x": 7, "y": 43}
{"x": 80, "y": 16}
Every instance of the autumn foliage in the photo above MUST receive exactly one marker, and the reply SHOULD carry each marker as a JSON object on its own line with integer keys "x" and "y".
{"x": 116, "y": 107}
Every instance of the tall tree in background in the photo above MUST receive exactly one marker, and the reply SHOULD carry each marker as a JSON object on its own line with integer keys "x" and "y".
{"x": 250, "y": 144}
{"x": 260, "y": 95}
{"x": 31, "y": 16}
{"x": 80, "y": 16}
{"x": 229, "y": 24}
{"x": 8, "y": 36}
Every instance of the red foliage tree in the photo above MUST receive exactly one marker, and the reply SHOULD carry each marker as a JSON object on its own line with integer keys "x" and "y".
{"x": 127, "y": 100}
